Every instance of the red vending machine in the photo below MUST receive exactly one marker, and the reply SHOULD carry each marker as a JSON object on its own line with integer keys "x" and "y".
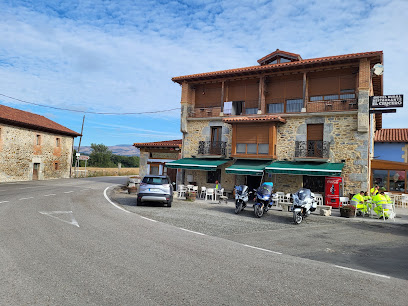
{"x": 332, "y": 190}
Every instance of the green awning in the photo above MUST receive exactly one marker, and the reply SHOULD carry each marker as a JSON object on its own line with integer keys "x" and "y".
{"x": 248, "y": 167}
{"x": 302, "y": 168}
{"x": 197, "y": 163}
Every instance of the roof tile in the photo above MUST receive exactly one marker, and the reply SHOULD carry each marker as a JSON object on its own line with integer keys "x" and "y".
{"x": 13, "y": 116}
{"x": 265, "y": 118}
{"x": 391, "y": 135}
{"x": 167, "y": 144}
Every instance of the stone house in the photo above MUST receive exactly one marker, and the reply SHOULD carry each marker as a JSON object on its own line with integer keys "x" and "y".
{"x": 155, "y": 155}
{"x": 33, "y": 147}
{"x": 289, "y": 120}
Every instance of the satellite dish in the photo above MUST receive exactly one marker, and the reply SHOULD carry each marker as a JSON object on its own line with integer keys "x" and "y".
{"x": 378, "y": 69}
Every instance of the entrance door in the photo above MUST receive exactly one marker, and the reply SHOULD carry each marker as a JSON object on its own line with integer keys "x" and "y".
{"x": 253, "y": 182}
{"x": 36, "y": 169}
{"x": 172, "y": 173}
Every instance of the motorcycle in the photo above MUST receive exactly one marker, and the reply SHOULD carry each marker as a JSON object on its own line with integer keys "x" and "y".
{"x": 303, "y": 203}
{"x": 263, "y": 199}
{"x": 241, "y": 198}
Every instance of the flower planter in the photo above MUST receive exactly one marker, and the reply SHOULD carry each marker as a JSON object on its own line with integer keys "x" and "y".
{"x": 347, "y": 212}
{"x": 191, "y": 196}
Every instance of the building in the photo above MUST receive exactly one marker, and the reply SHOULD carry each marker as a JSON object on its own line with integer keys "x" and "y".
{"x": 155, "y": 155}
{"x": 390, "y": 163}
{"x": 290, "y": 120}
{"x": 33, "y": 147}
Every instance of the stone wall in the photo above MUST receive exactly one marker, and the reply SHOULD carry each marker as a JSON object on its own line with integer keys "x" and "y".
{"x": 19, "y": 151}
{"x": 346, "y": 143}
{"x": 200, "y": 130}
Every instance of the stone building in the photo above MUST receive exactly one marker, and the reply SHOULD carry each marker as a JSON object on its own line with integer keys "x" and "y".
{"x": 155, "y": 155}
{"x": 33, "y": 147}
{"x": 289, "y": 120}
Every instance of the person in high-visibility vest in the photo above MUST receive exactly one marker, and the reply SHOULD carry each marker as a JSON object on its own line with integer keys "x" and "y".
{"x": 359, "y": 198}
{"x": 367, "y": 201}
{"x": 374, "y": 190}
{"x": 378, "y": 200}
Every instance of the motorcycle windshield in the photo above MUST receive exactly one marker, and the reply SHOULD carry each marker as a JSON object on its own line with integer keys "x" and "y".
{"x": 303, "y": 194}
{"x": 265, "y": 190}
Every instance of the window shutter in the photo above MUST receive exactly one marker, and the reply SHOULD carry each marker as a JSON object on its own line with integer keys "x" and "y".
{"x": 315, "y": 132}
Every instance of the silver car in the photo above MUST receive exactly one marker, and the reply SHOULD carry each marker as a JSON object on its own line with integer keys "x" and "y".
{"x": 155, "y": 188}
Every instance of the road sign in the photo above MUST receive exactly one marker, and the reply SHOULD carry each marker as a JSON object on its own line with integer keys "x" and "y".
{"x": 83, "y": 157}
{"x": 387, "y": 101}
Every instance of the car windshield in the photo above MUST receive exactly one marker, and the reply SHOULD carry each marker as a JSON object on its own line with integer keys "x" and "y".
{"x": 155, "y": 180}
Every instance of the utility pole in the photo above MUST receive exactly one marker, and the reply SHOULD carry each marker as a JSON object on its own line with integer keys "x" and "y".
{"x": 79, "y": 146}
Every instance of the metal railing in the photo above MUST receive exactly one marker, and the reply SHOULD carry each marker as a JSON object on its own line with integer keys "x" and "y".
{"x": 212, "y": 148}
{"x": 312, "y": 148}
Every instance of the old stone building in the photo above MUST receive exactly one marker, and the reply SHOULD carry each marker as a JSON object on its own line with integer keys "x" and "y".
{"x": 155, "y": 155}
{"x": 33, "y": 147}
{"x": 290, "y": 120}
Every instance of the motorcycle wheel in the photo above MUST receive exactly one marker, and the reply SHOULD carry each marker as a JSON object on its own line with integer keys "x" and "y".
{"x": 297, "y": 217}
{"x": 258, "y": 211}
{"x": 238, "y": 207}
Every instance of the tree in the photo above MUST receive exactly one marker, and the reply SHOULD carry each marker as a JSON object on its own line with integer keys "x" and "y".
{"x": 101, "y": 156}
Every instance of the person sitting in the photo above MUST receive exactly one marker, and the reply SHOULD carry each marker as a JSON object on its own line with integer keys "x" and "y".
{"x": 378, "y": 200}
{"x": 361, "y": 207}
{"x": 367, "y": 201}
{"x": 374, "y": 191}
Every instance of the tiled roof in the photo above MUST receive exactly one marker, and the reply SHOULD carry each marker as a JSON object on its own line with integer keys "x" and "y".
{"x": 12, "y": 116}
{"x": 166, "y": 144}
{"x": 265, "y": 118}
{"x": 279, "y": 52}
{"x": 391, "y": 135}
{"x": 278, "y": 67}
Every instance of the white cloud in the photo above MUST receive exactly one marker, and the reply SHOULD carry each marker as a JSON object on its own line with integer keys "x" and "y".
{"x": 120, "y": 55}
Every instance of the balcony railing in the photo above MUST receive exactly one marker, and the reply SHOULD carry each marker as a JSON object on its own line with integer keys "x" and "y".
{"x": 212, "y": 148}
{"x": 312, "y": 149}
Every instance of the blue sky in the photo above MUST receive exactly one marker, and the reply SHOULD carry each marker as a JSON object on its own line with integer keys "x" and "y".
{"x": 120, "y": 56}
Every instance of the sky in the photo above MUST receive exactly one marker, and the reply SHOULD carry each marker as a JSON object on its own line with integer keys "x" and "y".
{"x": 119, "y": 56}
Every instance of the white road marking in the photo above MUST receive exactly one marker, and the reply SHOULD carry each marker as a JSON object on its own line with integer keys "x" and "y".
{"x": 192, "y": 231}
{"x": 106, "y": 197}
{"x": 2, "y": 189}
{"x": 148, "y": 219}
{"x": 260, "y": 249}
{"x": 58, "y": 212}
{"x": 4, "y": 202}
{"x": 364, "y": 272}
{"x": 28, "y": 187}
{"x": 26, "y": 198}
{"x": 68, "y": 191}
{"x": 48, "y": 195}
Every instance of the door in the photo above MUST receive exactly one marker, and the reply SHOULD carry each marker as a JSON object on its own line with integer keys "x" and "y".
{"x": 36, "y": 169}
{"x": 315, "y": 140}
{"x": 215, "y": 145}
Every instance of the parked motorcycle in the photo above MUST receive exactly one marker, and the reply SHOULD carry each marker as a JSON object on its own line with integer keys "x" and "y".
{"x": 303, "y": 203}
{"x": 263, "y": 200}
{"x": 241, "y": 198}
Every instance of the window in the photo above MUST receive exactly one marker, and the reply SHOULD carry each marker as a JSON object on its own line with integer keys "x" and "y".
{"x": 348, "y": 96}
{"x": 251, "y": 148}
{"x": 155, "y": 180}
{"x": 237, "y": 107}
{"x": 38, "y": 141}
{"x": 57, "y": 142}
{"x": 380, "y": 178}
{"x": 275, "y": 108}
{"x": 263, "y": 148}
{"x": 316, "y": 98}
{"x": 251, "y": 111}
{"x": 241, "y": 148}
{"x": 56, "y": 166}
{"x": 315, "y": 140}
{"x": 294, "y": 105}
{"x": 213, "y": 176}
{"x": 397, "y": 181}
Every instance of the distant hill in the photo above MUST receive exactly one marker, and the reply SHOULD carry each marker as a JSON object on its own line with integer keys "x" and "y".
{"x": 123, "y": 150}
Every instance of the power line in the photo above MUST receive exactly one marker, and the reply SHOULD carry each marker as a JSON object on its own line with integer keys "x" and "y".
{"x": 88, "y": 112}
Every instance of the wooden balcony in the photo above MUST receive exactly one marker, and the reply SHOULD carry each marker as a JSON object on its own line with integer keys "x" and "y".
{"x": 210, "y": 148}
{"x": 332, "y": 106}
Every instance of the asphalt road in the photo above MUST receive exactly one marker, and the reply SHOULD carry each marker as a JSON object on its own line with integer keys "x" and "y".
{"x": 63, "y": 243}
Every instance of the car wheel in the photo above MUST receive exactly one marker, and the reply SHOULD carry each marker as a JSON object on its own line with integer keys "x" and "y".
{"x": 169, "y": 203}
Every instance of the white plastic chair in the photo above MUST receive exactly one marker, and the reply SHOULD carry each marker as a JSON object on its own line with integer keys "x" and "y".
{"x": 219, "y": 192}
{"x": 181, "y": 191}
{"x": 203, "y": 192}
{"x": 319, "y": 199}
{"x": 190, "y": 187}
{"x": 354, "y": 203}
{"x": 404, "y": 202}
{"x": 390, "y": 211}
{"x": 210, "y": 193}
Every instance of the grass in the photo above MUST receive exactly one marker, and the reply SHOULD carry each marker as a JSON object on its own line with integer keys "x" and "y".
{"x": 95, "y": 171}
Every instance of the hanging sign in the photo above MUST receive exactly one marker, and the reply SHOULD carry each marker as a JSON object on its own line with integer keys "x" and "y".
{"x": 83, "y": 157}
{"x": 387, "y": 101}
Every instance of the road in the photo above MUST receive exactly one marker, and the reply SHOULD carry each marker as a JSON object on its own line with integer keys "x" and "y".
{"x": 63, "y": 243}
